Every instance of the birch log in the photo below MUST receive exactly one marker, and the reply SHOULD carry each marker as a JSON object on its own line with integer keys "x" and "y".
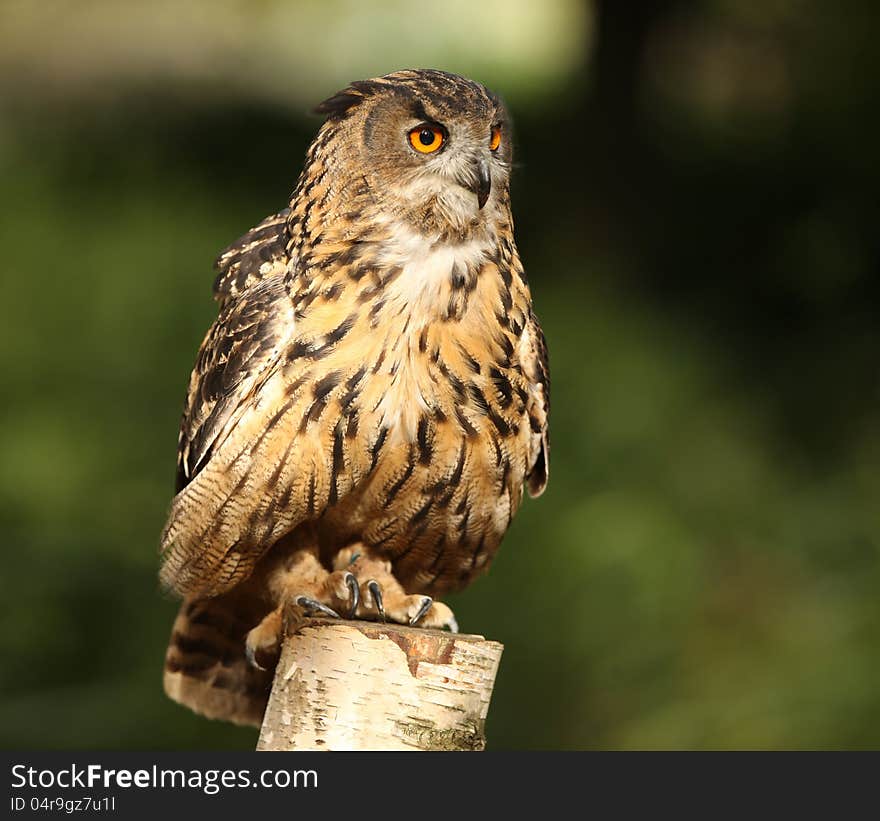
{"x": 358, "y": 685}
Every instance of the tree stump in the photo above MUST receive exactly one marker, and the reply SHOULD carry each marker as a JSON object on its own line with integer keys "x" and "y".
{"x": 359, "y": 685}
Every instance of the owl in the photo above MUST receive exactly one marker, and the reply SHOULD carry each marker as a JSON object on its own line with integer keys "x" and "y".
{"x": 372, "y": 399}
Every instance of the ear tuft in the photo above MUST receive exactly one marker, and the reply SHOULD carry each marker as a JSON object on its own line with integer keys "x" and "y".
{"x": 342, "y": 102}
{"x": 337, "y": 105}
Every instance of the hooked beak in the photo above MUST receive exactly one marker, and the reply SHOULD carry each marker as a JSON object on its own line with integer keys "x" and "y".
{"x": 483, "y": 181}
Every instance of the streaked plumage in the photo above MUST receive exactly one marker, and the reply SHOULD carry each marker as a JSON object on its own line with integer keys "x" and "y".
{"x": 375, "y": 386}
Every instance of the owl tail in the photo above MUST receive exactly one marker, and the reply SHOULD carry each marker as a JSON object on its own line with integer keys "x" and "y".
{"x": 205, "y": 665}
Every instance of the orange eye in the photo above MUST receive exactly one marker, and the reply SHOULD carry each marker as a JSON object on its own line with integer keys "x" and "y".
{"x": 426, "y": 139}
{"x": 495, "y": 140}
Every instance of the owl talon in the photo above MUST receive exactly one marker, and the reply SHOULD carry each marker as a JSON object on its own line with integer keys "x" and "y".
{"x": 262, "y": 642}
{"x": 250, "y": 653}
{"x": 425, "y": 606}
{"x": 355, "y": 594}
{"x": 376, "y": 593}
{"x": 311, "y": 607}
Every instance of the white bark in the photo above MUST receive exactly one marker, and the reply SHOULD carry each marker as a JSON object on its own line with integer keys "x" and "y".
{"x": 357, "y": 685}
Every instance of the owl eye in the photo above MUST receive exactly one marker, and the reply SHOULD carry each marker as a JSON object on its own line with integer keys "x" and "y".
{"x": 426, "y": 139}
{"x": 495, "y": 139}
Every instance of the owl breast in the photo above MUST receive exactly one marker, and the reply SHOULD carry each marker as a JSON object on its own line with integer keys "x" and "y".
{"x": 446, "y": 402}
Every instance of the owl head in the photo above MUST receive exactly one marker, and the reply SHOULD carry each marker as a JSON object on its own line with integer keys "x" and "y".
{"x": 434, "y": 147}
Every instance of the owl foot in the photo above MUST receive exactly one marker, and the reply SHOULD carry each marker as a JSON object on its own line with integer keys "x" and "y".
{"x": 382, "y": 597}
{"x": 264, "y": 641}
{"x": 341, "y": 589}
{"x": 338, "y": 596}
{"x": 360, "y": 587}
{"x": 314, "y": 592}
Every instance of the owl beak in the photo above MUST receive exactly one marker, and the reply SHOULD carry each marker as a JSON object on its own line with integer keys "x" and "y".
{"x": 483, "y": 181}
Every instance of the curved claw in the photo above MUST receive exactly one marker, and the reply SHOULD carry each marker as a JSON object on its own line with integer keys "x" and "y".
{"x": 376, "y": 593}
{"x": 354, "y": 594}
{"x": 252, "y": 656}
{"x": 427, "y": 601}
{"x": 311, "y": 607}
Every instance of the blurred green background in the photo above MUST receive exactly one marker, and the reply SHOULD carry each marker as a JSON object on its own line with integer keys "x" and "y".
{"x": 697, "y": 207}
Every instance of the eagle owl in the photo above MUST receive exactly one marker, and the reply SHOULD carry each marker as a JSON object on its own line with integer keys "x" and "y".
{"x": 372, "y": 399}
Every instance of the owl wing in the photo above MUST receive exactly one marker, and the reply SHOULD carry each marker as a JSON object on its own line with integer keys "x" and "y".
{"x": 256, "y": 255}
{"x": 238, "y": 356}
{"x": 242, "y": 344}
{"x": 238, "y": 353}
{"x": 537, "y": 368}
